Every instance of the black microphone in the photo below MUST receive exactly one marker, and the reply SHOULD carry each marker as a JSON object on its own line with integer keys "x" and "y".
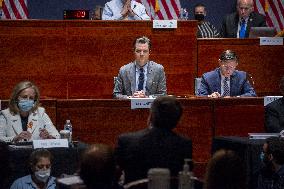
{"x": 135, "y": 12}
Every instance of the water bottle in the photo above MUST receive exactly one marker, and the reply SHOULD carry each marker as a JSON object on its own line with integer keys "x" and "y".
{"x": 185, "y": 14}
{"x": 159, "y": 178}
{"x": 184, "y": 177}
{"x": 68, "y": 126}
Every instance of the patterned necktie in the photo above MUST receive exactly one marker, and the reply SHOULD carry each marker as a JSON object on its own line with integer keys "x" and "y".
{"x": 242, "y": 33}
{"x": 226, "y": 87}
{"x": 141, "y": 79}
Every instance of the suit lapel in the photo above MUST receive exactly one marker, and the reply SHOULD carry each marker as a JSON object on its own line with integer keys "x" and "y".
{"x": 16, "y": 124}
{"x": 132, "y": 77}
{"x": 236, "y": 25}
{"x": 150, "y": 77}
{"x": 233, "y": 84}
{"x": 33, "y": 122}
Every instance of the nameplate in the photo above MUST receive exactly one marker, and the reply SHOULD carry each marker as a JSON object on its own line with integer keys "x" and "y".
{"x": 271, "y": 40}
{"x": 164, "y": 24}
{"x": 50, "y": 143}
{"x": 269, "y": 99}
{"x": 141, "y": 102}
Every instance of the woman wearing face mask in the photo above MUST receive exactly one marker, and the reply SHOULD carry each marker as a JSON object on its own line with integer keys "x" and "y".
{"x": 24, "y": 120}
{"x": 40, "y": 166}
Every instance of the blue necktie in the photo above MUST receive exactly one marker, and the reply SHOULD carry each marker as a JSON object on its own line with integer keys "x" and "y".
{"x": 242, "y": 33}
{"x": 141, "y": 79}
{"x": 226, "y": 87}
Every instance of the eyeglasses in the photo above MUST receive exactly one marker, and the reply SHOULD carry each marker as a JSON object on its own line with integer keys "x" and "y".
{"x": 229, "y": 68}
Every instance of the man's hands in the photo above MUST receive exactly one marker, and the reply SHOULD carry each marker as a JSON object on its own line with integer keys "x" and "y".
{"x": 126, "y": 10}
{"x": 139, "y": 94}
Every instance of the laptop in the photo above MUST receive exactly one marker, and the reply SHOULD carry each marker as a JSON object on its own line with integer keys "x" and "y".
{"x": 256, "y": 32}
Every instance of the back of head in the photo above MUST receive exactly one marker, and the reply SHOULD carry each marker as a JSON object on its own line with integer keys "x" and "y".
{"x": 165, "y": 112}
{"x": 276, "y": 148}
{"x": 97, "y": 168}
{"x": 225, "y": 170}
{"x": 4, "y": 165}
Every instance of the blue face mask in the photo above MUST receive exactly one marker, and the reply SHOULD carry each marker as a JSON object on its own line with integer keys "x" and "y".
{"x": 26, "y": 105}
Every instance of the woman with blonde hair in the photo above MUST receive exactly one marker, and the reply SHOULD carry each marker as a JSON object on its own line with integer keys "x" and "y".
{"x": 25, "y": 120}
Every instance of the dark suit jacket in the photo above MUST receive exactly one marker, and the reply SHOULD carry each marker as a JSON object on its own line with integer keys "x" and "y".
{"x": 230, "y": 24}
{"x": 239, "y": 85}
{"x": 274, "y": 116}
{"x": 126, "y": 80}
{"x": 137, "y": 152}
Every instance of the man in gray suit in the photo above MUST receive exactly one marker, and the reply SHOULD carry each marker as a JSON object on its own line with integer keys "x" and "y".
{"x": 140, "y": 78}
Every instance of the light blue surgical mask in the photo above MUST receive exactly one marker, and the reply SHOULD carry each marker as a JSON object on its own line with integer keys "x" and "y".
{"x": 42, "y": 175}
{"x": 26, "y": 105}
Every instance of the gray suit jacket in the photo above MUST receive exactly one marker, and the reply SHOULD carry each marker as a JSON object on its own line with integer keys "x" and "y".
{"x": 125, "y": 83}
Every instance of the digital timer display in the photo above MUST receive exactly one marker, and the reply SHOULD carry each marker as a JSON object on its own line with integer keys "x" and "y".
{"x": 76, "y": 14}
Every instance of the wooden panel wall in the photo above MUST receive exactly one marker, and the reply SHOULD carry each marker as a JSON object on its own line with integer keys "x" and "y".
{"x": 78, "y": 59}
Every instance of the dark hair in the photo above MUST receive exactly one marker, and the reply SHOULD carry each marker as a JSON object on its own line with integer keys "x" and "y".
{"x": 225, "y": 170}
{"x": 229, "y": 55}
{"x": 165, "y": 112}
{"x": 97, "y": 168}
{"x": 275, "y": 146}
{"x": 199, "y": 5}
{"x": 281, "y": 86}
{"x": 37, "y": 154}
{"x": 142, "y": 40}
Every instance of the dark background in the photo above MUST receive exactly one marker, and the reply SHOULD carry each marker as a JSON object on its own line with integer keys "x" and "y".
{"x": 53, "y": 9}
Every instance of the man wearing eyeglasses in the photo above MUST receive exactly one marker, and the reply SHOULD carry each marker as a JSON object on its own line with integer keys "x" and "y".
{"x": 142, "y": 77}
{"x": 238, "y": 24}
{"x": 226, "y": 81}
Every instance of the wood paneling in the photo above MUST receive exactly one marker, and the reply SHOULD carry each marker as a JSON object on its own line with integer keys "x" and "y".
{"x": 78, "y": 59}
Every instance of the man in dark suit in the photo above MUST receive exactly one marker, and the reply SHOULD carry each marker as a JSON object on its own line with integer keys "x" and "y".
{"x": 226, "y": 81}
{"x": 155, "y": 146}
{"x": 274, "y": 113}
{"x": 141, "y": 77}
{"x": 238, "y": 24}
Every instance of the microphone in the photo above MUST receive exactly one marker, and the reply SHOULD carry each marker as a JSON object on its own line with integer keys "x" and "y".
{"x": 136, "y": 13}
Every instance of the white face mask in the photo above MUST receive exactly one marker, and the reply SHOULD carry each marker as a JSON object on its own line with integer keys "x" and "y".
{"x": 42, "y": 175}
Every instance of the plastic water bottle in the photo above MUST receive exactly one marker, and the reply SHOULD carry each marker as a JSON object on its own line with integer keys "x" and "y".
{"x": 183, "y": 14}
{"x": 68, "y": 126}
{"x": 184, "y": 177}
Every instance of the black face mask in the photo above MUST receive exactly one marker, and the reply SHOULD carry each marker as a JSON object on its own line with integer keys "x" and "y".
{"x": 199, "y": 17}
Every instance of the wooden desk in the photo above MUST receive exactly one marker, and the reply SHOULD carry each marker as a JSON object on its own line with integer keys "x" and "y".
{"x": 78, "y": 59}
{"x": 102, "y": 120}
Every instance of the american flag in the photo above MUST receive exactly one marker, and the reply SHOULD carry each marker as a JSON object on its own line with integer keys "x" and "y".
{"x": 162, "y": 9}
{"x": 274, "y": 11}
{"x": 15, "y": 9}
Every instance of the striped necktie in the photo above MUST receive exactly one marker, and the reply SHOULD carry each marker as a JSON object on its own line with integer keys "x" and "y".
{"x": 226, "y": 87}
